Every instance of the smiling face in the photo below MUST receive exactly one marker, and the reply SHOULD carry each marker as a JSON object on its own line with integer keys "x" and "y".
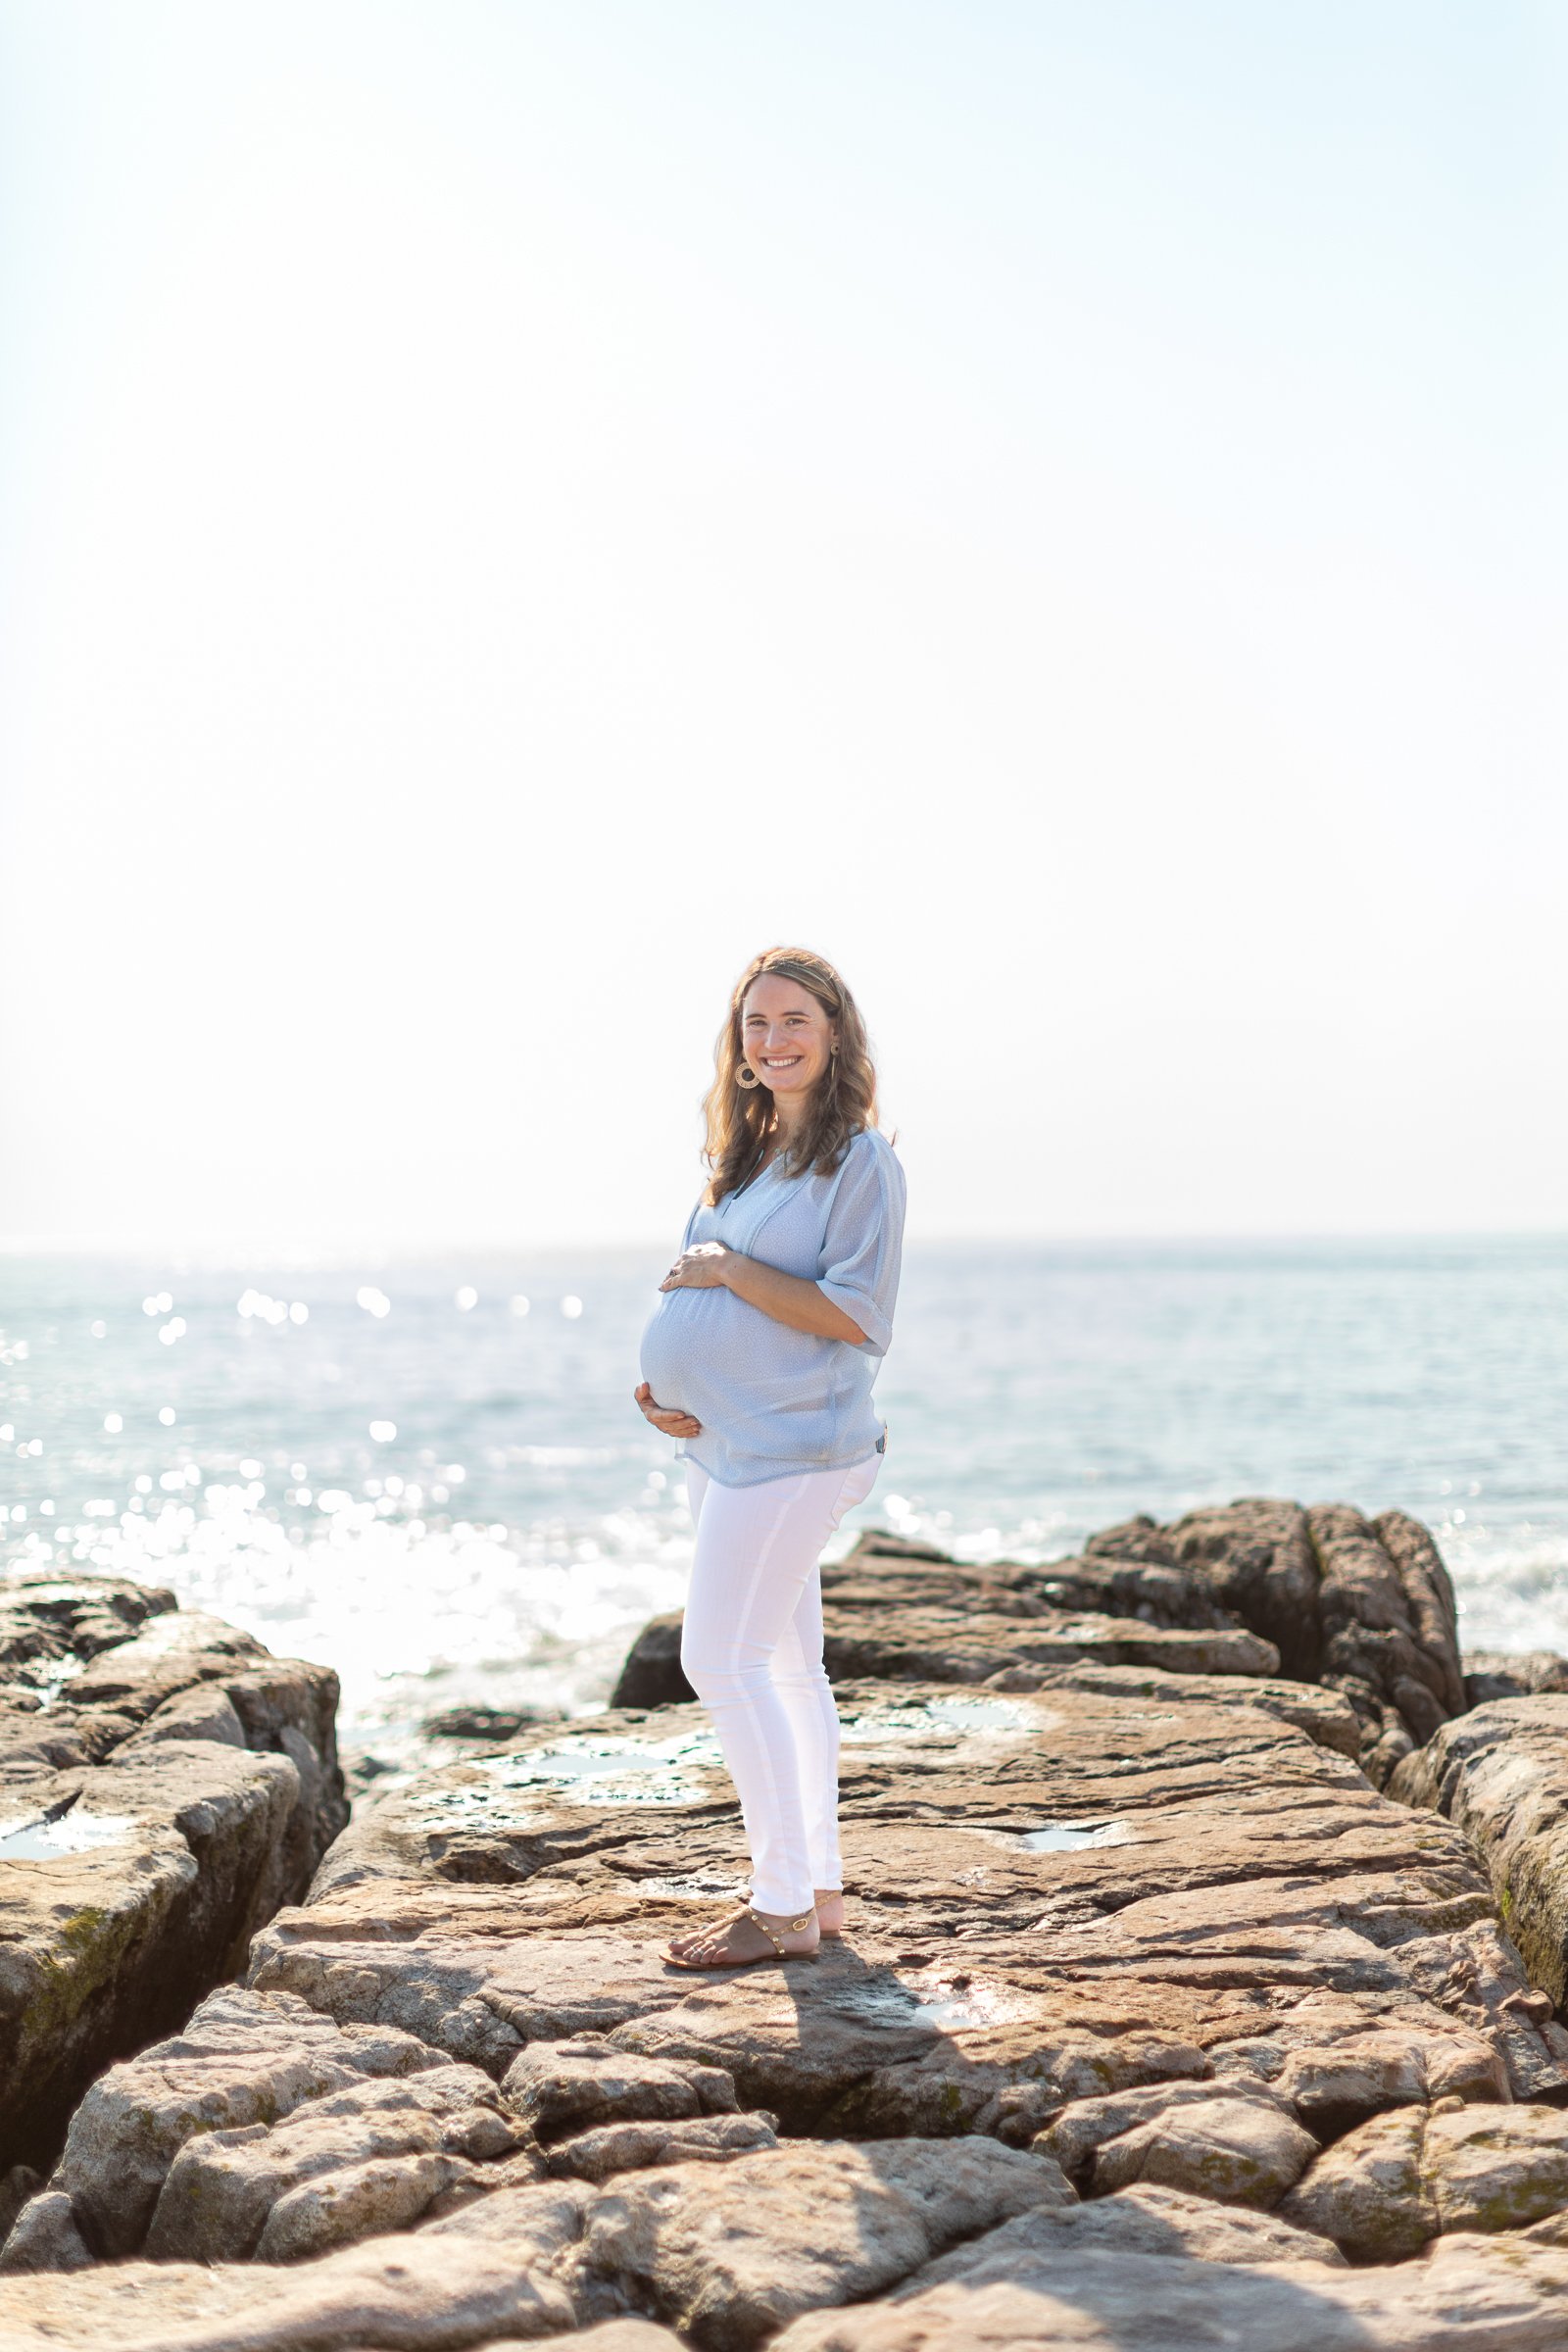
{"x": 786, "y": 1035}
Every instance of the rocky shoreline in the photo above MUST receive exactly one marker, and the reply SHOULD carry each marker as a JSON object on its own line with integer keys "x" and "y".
{"x": 1206, "y": 1944}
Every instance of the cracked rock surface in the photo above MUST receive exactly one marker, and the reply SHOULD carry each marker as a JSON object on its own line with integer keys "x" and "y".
{"x": 164, "y": 1786}
{"x": 1154, "y": 2023}
{"x": 1360, "y": 1607}
{"x": 1500, "y": 1774}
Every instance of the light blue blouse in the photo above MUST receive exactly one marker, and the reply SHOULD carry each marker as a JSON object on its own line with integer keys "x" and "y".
{"x": 772, "y": 1401}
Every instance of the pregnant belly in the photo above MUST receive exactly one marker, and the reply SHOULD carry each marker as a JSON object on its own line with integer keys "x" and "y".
{"x": 712, "y": 1354}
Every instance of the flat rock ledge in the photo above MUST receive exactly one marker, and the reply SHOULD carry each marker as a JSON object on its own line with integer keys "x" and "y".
{"x": 165, "y": 1785}
{"x": 1155, "y": 2024}
{"x": 1362, "y": 1607}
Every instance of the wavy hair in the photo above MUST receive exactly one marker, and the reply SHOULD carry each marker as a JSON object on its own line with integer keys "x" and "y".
{"x": 741, "y": 1119}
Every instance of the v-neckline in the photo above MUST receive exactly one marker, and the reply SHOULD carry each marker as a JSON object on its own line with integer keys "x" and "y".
{"x": 756, "y": 1177}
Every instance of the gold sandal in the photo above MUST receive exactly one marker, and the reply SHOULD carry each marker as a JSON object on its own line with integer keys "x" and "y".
{"x": 792, "y": 1926}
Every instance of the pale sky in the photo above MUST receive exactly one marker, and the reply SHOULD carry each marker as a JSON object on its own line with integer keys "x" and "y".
{"x": 505, "y": 510}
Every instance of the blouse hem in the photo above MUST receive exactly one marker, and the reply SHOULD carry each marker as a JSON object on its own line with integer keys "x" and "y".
{"x": 788, "y": 1470}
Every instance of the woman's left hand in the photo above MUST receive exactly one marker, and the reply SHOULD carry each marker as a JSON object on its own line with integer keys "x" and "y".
{"x": 705, "y": 1268}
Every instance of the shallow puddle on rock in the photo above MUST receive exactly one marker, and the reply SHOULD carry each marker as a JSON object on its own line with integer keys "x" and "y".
{"x": 597, "y": 1771}
{"x": 951, "y": 1714}
{"x": 75, "y": 1833}
{"x": 45, "y": 1679}
{"x": 942, "y": 2016}
{"x": 594, "y": 1759}
{"x": 691, "y": 1890}
{"x": 1068, "y": 1837}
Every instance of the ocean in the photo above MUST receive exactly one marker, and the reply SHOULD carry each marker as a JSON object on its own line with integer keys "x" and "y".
{"x": 433, "y": 1476}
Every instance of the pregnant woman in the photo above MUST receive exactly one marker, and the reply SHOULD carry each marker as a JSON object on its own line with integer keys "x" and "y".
{"x": 760, "y": 1357}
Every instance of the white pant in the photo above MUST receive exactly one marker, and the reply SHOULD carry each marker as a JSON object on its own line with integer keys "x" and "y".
{"x": 751, "y": 1650}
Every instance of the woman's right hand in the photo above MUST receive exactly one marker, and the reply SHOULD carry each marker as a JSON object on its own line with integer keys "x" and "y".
{"x": 667, "y": 1419}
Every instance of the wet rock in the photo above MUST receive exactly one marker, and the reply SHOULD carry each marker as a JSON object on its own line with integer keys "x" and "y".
{"x": 164, "y": 1786}
{"x": 1501, "y": 1775}
{"x": 1402, "y": 2179}
{"x": 1143, "y": 2219}
{"x": 729, "y": 2253}
{"x": 630, "y": 2148}
{"x": 244, "y": 2059}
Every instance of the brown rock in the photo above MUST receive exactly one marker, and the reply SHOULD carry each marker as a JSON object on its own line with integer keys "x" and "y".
{"x": 1071, "y": 2297}
{"x": 245, "y": 2058}
{"x": 631, "y": 2147}
{"x": 1145, "y": 2220}
{"x": 164, "y": 1786}
{"x": 878, "y": 1630}
{"x": 1054, "y": 1895}
{"x": 562, "y": 2086}
{"x": 1365, "y": 1606}
{"x": 1399, "y": 2179}
{"x": 1501, "y": 1776}
{"x": 729, "y": 2253}
{"x": 418, "y": 2290}
{"x": 1491, "y": 1674}
{"x": 350, "y": 2164}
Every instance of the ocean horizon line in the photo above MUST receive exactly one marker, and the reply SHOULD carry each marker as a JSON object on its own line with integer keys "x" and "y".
{"x": 221, "y": 1254}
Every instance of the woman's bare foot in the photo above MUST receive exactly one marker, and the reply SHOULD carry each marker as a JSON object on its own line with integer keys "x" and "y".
{"x": 829, "y": 1905}
{"x": 737, "y": 1941}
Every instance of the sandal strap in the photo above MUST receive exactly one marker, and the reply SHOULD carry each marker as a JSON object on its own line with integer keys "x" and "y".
{"x": 792, "y": 1926}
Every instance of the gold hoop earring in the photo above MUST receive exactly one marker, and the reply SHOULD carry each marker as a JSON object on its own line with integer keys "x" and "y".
{"x": 745, "y": 1076}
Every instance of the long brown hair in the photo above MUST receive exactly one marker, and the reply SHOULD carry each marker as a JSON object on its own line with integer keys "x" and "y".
{"x": 740, "y": 1119}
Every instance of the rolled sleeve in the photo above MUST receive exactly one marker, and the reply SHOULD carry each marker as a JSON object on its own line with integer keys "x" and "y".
{"x": 862, "y": 1249}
